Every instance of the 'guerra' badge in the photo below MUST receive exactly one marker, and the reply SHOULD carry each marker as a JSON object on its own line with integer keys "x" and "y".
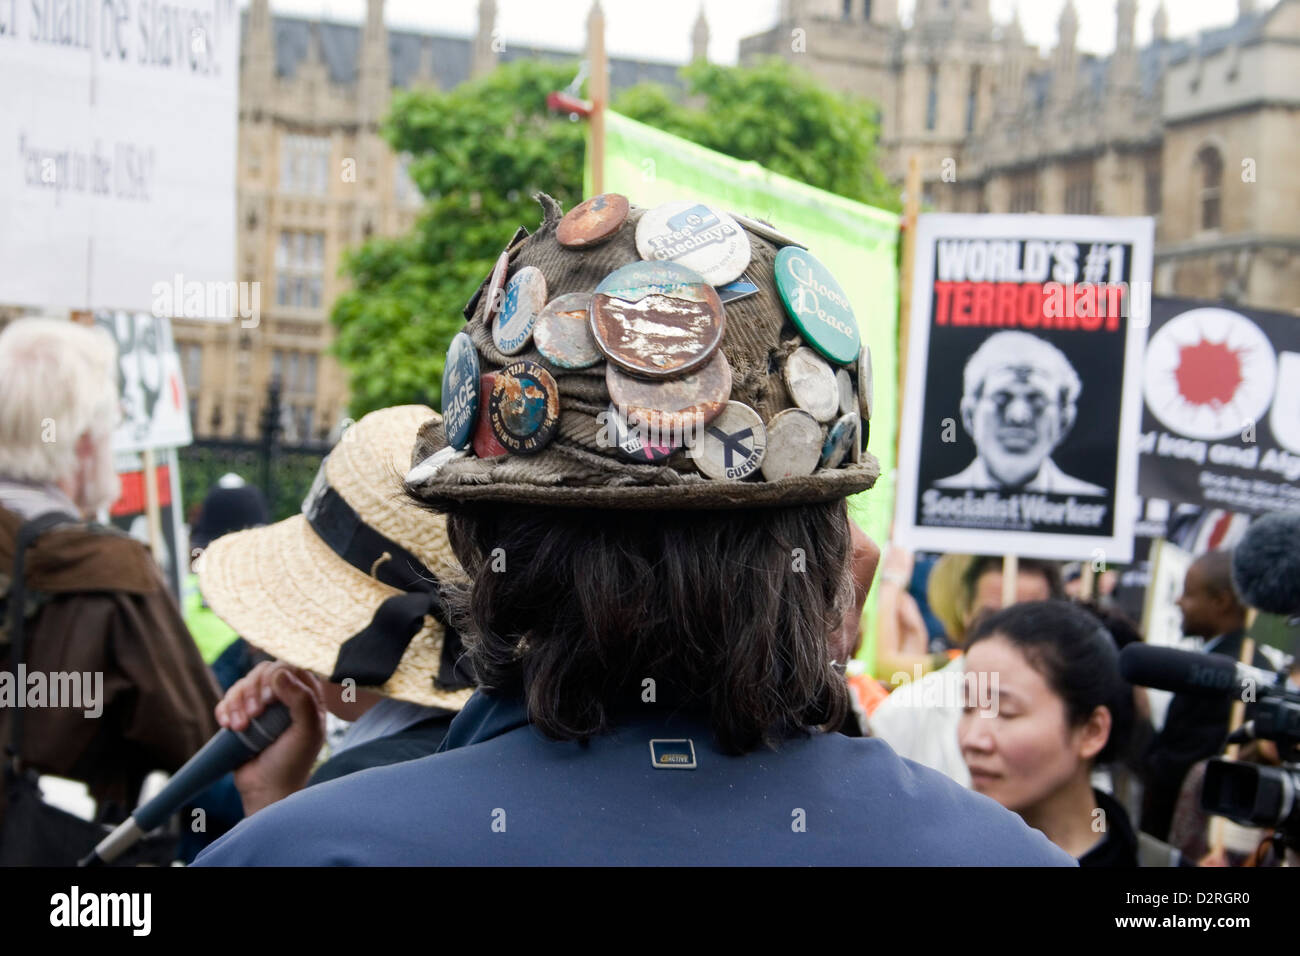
{"x": 817, "y": 304}
{"x": 460, "y": 390}
{"x": 525, "y": 407}
{"x": 731, "y": 447}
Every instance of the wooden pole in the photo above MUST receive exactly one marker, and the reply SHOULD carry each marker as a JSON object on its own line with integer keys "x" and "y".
{"x": 1010, "y": 572}
{"x": 153, "y": 512}
{"x": 599, "y": 94}
{"x": 911, "y": 208}
{"x": 1087, "y": 581}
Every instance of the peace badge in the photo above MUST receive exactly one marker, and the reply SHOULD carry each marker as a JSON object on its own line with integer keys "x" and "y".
{"x": 817, "y": 304}
{"x": 460, "y": 390}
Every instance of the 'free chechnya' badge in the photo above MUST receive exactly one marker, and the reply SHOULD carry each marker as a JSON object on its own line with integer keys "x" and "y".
{"x": 460, "y": 390}
{"x": 817, "y": 305}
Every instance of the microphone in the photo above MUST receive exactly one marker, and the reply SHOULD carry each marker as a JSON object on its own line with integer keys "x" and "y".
{"x": 1266, "y": 564}
{"x": 227, "y": 750}
{"x": 1189, "y": 672}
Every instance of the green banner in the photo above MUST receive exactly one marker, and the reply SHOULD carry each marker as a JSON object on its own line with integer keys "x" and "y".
{"x": 856, "y": 242}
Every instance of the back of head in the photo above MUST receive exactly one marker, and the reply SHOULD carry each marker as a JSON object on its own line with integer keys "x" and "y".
{"x": 229, "y": 509}
{"x": 1076, "y": 654}
{"x": 57, "y": 383}
{"x": 1216, "y": 573}
{"x": 585, "y": 611}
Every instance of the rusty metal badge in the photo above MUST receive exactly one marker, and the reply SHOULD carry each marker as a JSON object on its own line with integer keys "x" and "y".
{"x": 812, "y": 384}
{"x": 563, "y": 332}
{"x": 485, "y": 442}
{"x": 671, "y": 410}
{"x": 733, "y": 445}
{"x": 525, "y": 407}
{"x": 593, "y": 221}
{"x": 840, "y": 441}
{"x": 794, "y": 445}
{"x": 696, "y": 236}
{"x": 656, "y": 319}
{"x": 524, "y": 298}
{"x": 495, "y": 290}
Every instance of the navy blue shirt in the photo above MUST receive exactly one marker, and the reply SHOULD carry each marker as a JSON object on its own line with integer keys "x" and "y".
{"x": 503, "y": 794}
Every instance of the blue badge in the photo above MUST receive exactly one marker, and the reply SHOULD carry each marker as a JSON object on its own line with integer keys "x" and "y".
{"x": 672, "y": 754}
{"x": 460, "y": 390}
{"x": 742, "y": 288}
{"x": 817, "y": 304}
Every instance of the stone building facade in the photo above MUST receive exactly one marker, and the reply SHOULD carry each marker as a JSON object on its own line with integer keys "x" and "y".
{"x": 1200, "y": 133}
{"x": 314, "y": 178}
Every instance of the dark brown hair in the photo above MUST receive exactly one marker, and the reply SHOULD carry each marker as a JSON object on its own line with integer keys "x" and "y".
{"x": 730, "y": 611}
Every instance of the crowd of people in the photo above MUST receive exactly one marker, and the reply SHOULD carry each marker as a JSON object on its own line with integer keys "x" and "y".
{"x": 525, "y": 682}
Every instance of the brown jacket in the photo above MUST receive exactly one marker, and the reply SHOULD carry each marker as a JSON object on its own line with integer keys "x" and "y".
{"x": 102, "y": 607}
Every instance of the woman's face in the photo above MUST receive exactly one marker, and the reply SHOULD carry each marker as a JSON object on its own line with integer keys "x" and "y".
{"x": 1021, "y": 749}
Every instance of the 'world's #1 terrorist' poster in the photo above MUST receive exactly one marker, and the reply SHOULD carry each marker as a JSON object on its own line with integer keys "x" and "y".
{"x": 1020, "y": 418}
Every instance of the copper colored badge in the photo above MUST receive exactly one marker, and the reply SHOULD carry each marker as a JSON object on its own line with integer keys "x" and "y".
{"x": 563, "y": 332}
{"x": 485, "y": 443}
{"x": 593, "y": 221}
{"x": 525, "y": 407}
{"x": 656, "y": 319}
{"x": 496, "y": 287}
{"x": 672, "y": 411}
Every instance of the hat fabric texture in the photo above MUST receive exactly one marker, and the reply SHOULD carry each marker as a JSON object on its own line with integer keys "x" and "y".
{"x": 575, "y": 469}
{"x": 287, "y": 592}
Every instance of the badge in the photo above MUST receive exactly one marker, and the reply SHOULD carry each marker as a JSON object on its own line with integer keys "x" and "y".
{"x": 563, "y": 332}
{"x": 460, "y": 390}
{"x": 496, "y": 287}
{"x": 794, "y": 445}
{"x": 770, "y": 233}
{"x": 696, "y": 236}
{"x": 524, "y": 298}
{"x": 632, "y": 441}
{"x": 485, "y": 443}
{"x": 866, "y": 382}
{"x": 840, "y": 441}
{"x": 731, "y": 447}
{"x": 817, "y": 304}
{"x": 525, "y": 407}
{"x": 672, "y": 754}
{"x": 848, "y": 401}
{"x": 520, "y": 235}
{"x": 672, "y": 409}
{"x": 433, "y": 464}
{"x": 592, "y": 221}
{"x": 742, "y": 288}
{"x": 812, "y": 384}
{"x": 656, "y": 319}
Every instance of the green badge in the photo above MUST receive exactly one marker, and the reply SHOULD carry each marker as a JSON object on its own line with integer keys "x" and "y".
{"x": 817, "y": 305}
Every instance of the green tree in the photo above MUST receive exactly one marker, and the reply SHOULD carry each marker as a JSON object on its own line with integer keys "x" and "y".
{"x": 479, "y": 153}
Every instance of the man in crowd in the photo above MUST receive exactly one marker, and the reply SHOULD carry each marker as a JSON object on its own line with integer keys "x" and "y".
{"x": 97, "y": 612}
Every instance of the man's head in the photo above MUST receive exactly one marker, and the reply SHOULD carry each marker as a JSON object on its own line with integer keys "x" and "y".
{"x": 58, "y": 408}
{"x": 1018, "y": 403}
{"x": 1035, "y": 581}
{"x": 1209, "y": 604}
{"x": 585, "y": 613}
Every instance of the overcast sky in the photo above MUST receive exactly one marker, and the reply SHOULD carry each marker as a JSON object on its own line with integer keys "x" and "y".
{"x": 661, "y": 29}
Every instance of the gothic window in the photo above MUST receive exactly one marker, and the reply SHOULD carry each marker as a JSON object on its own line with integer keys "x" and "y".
{"x": 1211, "y": 163}
{"x": 972, "y": 98}
{"x": 1024, "y": 192}
{"x": 932, "y": 99}
{"x": 866, "y": 10}
{"x": 304, "y": 165}
{"x": 848, "y": 10}
{"x": 1078, "y": 189}
{"x": 1152, "y": 185}
{"x": 300, "y": 269}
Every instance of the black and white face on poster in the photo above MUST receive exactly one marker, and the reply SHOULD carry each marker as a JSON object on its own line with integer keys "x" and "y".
{"x": 1020, "y": 422}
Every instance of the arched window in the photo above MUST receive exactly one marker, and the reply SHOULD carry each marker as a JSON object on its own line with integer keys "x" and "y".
{"x": 1211, "y": 164}
{"x": 932, "y": 98}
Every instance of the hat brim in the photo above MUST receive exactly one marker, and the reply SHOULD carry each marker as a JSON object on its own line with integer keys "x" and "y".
{"x": 286, "y": 593}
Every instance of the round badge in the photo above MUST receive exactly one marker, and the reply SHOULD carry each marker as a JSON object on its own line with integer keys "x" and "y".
{"x": 696, "y": 236}
{"x": 496, "y": 287}
{"x": 866, "y": 383}
{"x": 484, "y": 442}
{"x": 524, "y": 298}
{"x": 633, "y": 441}
{"x": 592, "y": 221}
{"x": 794, "y": 445}
{"x": 848, "y": 401}
{"x": 839, "y": 441}
{"x": 460, "y": 390}
{"x": 672, "y": 410}
{"x": 770, "y": 233}
{"x": 731, "y": 447}
{"x": 525, "y": 407}
{"x": 656, "y": 319}
{"x": 563, "y": 332}
{"x": 433, "y": 464}
{"x": 812, "y": 384}
{"x": 817, "y": 305}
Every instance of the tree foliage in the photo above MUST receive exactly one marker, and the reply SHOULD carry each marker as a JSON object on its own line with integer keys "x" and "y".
{"x": 479, "y": 153}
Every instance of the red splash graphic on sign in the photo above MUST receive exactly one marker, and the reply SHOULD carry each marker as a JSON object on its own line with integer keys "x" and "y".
{"x": 1208, "y": 373}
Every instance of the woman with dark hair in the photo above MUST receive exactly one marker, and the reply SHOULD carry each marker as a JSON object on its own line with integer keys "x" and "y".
{"x": 1051, "y": 706}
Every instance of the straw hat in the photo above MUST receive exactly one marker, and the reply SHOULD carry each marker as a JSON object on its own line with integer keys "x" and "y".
{"x": 297, "y": 591}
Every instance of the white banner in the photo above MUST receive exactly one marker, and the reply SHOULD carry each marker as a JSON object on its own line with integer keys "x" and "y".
{"x": 155, "y": 413}
{"x": 117, "y": 148}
